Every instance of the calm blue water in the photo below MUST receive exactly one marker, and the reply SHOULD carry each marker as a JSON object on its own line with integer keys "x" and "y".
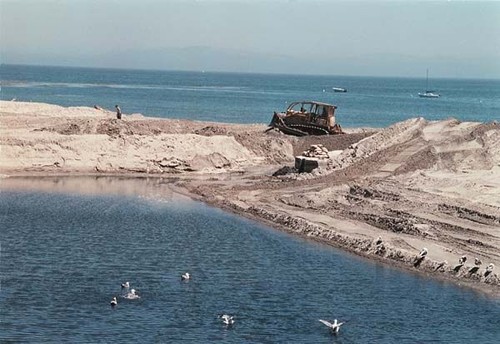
{"x": 250, "y": 98}
{"x": 63, "y": 257}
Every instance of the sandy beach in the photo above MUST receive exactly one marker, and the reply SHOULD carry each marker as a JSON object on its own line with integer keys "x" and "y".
{"x": 384, "y": 194}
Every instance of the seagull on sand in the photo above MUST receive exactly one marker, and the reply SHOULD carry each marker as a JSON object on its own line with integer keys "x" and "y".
{"x": 125, "y": 285}
{"x": 461, "y": 262}
{"x": 423, "y": 253}
{"x": 475, "y": 268}
{"x": 226, "y": 319}
{"x": 114, "y": 302}
{"x": 378, "y": 241}
{"x": 489, "y": 269}
{"x": 335, "y": 327}
{"x": 418, "y": 259}
{"x": 440, "y": 265}
{"x": 185, "y": 277}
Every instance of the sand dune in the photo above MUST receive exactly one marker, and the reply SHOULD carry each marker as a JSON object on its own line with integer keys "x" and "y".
{"x": 42, "y": 137}
{"x": 459, "y": 159}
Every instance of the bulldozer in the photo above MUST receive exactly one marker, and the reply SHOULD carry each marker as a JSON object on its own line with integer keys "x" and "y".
{"x": 304, "y": 118}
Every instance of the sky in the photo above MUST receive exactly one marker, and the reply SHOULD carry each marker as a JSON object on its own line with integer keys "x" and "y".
{"x": 456, "y": 39}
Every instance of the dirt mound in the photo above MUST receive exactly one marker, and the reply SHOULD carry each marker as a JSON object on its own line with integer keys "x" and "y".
{"x": 417, "y": 144}
{"x": 71, "y": 127}
{"x": 331, "y": 142}
{"x": 393, "y": 135}
{"x": 114, "y": 127}
{"x": 273, "y": 149}
{"x": 47, "y": 137}
{"x": 211, "y": 130}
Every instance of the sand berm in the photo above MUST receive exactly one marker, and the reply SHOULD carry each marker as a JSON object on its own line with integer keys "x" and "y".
{"x": 384, "y": 194}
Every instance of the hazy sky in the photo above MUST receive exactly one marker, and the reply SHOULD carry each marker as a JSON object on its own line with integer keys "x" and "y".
{"x": 394, "y": 38}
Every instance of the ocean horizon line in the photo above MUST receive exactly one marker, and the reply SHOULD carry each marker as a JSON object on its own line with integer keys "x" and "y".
{"x": 222, "y": 72}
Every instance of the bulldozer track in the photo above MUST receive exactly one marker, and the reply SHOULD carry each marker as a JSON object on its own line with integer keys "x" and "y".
{"x": 300, "y": 126}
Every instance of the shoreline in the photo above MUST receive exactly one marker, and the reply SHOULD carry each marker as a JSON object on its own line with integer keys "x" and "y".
{"x": 415, "y": 184}
{"x": 171, "y": 184}
{"x": 443, "y": 276}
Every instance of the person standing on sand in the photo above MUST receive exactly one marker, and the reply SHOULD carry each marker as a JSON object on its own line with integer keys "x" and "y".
{"x": 118, "y": 112}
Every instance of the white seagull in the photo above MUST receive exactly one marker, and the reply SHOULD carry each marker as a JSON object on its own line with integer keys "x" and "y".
{"x": 378, "y": 241}
{"x": 462, "y": 260}
{"x": 423, "y": 253}
{"x": 114, "y": 302}
{"x": 132, "y": 295}
{"x": 489, "y": 269}
{"x": 440, "y": 265}
{"x": 227, "y": 319}
{"x": 125, "y": 285}
{"x": 186, "y": 276}
{"x": 335, "y": 327}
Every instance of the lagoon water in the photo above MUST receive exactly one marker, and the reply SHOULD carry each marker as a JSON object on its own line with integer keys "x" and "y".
{"x": 251, "y": 98}
{"x": 65, "y": 254}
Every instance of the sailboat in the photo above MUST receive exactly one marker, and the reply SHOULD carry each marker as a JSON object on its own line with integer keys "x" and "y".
{"x": 428, "y": 93}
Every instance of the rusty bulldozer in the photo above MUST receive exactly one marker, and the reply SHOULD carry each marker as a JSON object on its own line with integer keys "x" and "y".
{"x": 307, "y": 118}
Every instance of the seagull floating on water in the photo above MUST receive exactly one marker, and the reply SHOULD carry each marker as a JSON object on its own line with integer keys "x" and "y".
{"x": 335, "y": 327}
{"x": 423, "y": 253}
{"x": 125, "y": 285}
{"x": 131, "y": 295}
{"x": 227, "y": 319}
{"x": 186, "y": 276}
{"x": 114, "y": 302}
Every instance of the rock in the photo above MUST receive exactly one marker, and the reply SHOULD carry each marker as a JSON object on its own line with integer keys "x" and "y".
{"x": 172, "y": 162}
{"x": 285, "y": 170}
{"x": 316, "y": 151}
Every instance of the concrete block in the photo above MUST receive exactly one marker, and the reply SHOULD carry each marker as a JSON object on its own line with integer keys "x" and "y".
{"x": 305, "y": 164}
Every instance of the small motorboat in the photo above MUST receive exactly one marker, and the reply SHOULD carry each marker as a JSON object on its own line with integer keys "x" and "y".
{"x": 339, "y": 89}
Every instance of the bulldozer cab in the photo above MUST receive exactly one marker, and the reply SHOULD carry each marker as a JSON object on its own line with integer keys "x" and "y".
{"x": 314, "y": 112}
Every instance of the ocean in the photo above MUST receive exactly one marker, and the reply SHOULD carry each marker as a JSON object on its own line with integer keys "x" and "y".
{"x": 251, "y": 98}
{"x": 65, "y": 253}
